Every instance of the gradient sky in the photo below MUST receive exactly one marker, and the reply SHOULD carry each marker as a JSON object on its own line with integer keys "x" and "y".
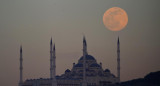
{"x": 33, "y": 22}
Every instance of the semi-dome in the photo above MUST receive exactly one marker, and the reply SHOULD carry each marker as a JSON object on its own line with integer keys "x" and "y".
{"x": 88, "y": 57}
{"x": 79, "y": 65}
{"x": 107, "y": 70}
{"x": 95, "y": 65}
{"x": 67, "y": 71}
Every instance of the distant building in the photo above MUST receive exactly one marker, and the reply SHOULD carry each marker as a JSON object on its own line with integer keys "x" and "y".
{"x": 92, "y": 74}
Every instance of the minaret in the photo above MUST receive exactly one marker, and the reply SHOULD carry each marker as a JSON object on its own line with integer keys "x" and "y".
{"x": 51, "y": 60}
{"x": 84, "y": 83}
{"x": 21, "y": 68}
{"x": 53, "y": 64}
{"x": 118, "y": 60}
{"x": 54, "y": 67}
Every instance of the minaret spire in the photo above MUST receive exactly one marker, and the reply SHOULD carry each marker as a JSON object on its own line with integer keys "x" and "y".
{"x": 51, "y": 60}
{"x": 85, "y": 44}
{"x": 54, "y": 81}
{"x": 118, "y": 60}
{"x": 53, "y": 64}
{"x": 84, "y": 83}
{"x": 21, "y": 68}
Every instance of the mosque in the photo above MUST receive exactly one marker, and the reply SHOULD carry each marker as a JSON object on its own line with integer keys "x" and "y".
{"x": 87, "y": 72}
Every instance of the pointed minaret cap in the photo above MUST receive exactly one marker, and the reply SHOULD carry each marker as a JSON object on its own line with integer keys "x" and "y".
{"x": 51, "y": 41}
{"x": 21, "y": 48}
{"x": 84, "y": 40}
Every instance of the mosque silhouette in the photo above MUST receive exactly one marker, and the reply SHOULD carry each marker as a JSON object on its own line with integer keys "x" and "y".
{"x": 87, "y": 72}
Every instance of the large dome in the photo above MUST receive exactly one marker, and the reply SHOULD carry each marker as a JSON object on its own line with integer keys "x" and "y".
{"x": 88, "y": 57}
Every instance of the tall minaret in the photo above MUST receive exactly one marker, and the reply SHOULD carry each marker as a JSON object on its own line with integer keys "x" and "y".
{"x": 53, "y": 64}
{"x": 84, "y": 83}
{"x": 118, "y": 60}
{"x": 21, "y": 68}
{"x": 51, "y": 60}
{"x": 54, "y": 67}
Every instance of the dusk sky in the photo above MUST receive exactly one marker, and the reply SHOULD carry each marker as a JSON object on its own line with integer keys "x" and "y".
{"x": 32, "y": 23}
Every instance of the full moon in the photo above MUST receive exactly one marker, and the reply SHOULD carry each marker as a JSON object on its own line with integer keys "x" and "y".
{"x": 115, "y": 19}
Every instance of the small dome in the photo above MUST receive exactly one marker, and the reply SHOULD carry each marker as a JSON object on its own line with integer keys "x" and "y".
{"x": 88, "y": 57}
{"x": 95, "y": 65}
{"x": 107, "y": 70}
{"x": 67, "y": 71}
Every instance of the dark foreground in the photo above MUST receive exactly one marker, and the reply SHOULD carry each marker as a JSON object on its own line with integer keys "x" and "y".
{"x": 152, "y": 79}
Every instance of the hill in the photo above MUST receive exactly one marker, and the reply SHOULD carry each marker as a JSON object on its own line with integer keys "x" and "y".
{"x": 151, "y": 79}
